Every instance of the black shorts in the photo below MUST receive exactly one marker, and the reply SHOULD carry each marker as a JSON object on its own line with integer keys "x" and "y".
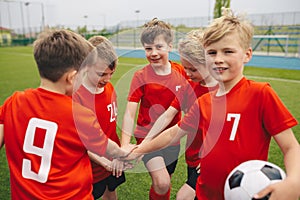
{"x": 192, "y": 177}
{"x": 111, "y": 182}
{"x": 169, "y": 154}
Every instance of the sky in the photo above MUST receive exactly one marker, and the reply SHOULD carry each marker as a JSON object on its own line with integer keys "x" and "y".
{"x": 111, "y": 12}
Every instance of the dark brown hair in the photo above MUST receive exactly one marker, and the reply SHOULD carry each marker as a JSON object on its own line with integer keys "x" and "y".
{"x": 57, "y": 51}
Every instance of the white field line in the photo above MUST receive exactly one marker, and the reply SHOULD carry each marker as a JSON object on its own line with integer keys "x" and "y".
{"x": 275, "y": 79}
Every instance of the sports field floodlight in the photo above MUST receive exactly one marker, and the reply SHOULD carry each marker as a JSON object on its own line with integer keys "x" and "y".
{"x": 137, "y": 22}
{"x": 28, "y": 17}
{"x": 137, "y": 16}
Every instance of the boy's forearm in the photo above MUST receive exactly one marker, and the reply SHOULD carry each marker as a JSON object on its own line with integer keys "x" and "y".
{"x": 128, "y": 123}
{"x": 113, "y": 150}
{"x": 125, "y": 139}
{"x": 162, "y": 122}
{"x": 165, "y": 139}
{"x": 292, "y": 164}
{"x": 99, "y": 159}
{"x": 291, "y": 151}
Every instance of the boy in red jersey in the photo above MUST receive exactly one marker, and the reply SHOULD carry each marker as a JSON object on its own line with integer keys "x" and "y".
{"x": 192, "y": 58}
{"x": 154, "y": 88}
{"x": 238, "y": 120}
{"x": 46, "y": 142}
{"x": 98, "y": 94}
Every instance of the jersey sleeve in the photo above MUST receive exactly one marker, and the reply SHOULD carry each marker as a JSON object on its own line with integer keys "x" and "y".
{"x": 190, "y": 121}
{"x": 89, "y": 130}
{"x": 276, "y": 116}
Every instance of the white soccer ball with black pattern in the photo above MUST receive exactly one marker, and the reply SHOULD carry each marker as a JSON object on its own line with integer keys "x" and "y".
{"x": 249, "y": 178}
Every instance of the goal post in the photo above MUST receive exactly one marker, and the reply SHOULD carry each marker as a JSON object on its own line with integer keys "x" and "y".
{"x": 282, "y": 41}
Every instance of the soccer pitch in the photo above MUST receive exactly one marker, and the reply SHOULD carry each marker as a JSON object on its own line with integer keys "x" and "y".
{"x": 18, "y": 71}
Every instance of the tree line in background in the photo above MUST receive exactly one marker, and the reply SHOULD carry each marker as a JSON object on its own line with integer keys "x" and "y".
{"x": 218, "y": 7}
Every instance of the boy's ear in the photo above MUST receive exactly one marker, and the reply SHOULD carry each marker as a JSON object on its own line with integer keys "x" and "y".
{"x": 248, "y": 55}
{"x": 170, "y": 46}
{"x": 71, "y": 75}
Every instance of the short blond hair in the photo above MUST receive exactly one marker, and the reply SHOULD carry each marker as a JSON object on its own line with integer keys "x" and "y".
{"x": 227, "y": 24}
{"x": 190, "y": 47}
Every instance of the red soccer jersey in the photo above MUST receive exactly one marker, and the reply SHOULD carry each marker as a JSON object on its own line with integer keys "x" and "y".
{"x": 184, "y": 101}
{"x": 45, "y": 138}
{"x": 105, "y": 107}
{"x": 236, "y": 127}
{"x": 155, "y": 94}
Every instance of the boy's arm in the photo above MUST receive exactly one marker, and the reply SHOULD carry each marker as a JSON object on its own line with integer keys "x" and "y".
{"x": 100, "y": 160}
{"x": 1, "y": 136}
{"x": 115, "y": 166}
{"x": 113, "y": 150}
{"x": 289, "y": 188}
{"x": 166, "y": 138}
{"x": 161, "y": 123}
{"x": 128, "y": 123}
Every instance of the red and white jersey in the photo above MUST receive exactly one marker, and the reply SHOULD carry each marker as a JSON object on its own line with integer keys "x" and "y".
{"x": 155, "y": 94}
{"x": 183, "y": 102}
{"x": 236, "y": 127}
{"x": 46, "y": 139}
{"x": 104, "y": 105}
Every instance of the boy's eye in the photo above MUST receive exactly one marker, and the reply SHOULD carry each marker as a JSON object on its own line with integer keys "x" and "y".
{"x": 228, "y": 51}
{"x": 211, "y": 52}
{"x": 148, "y": 48}
{"x": 100, "y": 74}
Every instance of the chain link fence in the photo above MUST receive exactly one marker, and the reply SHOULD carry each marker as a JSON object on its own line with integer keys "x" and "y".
{"x": 126, "y": 34}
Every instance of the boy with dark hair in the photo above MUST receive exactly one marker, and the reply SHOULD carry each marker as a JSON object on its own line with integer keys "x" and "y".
{"x": 192, "y": 58}
{"x": 46, "y": 135}
{"x": 153, "y": 88}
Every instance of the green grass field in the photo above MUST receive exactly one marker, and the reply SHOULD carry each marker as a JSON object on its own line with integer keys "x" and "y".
{"x": 18, "y": 71}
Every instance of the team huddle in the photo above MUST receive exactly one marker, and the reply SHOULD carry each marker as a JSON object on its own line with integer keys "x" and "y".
{"x": 61, "y": 138}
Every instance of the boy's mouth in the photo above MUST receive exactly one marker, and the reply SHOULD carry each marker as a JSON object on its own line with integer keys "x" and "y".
{"x": 220, "y": 69}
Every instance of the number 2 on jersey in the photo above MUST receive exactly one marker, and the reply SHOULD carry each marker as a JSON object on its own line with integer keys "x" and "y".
{"x": 45, "y": 152}
{"x": 113, "y": 111}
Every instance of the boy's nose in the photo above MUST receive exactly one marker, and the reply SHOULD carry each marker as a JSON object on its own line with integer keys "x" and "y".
{"x": 218, "y": 58}
{"x": 154, "y": 52}
{"x": 188, "y": 73}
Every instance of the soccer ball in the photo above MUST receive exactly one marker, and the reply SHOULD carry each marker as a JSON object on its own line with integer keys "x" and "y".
{"x": 249, "y": 178}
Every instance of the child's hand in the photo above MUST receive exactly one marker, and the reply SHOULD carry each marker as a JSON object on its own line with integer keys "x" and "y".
{"x": 117, "y": 167}
{"x": 107, "y": 166}
{"x": 126, "y": 149}
{"x": 285, "y": 189}
{"x": 128, "y": 165}
{"x": 133, "y": 155}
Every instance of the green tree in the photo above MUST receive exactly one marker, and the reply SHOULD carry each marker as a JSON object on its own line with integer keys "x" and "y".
{"x": 218, "y": 7}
